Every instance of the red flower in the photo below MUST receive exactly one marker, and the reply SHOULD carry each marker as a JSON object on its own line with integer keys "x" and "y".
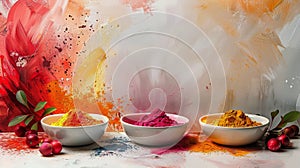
{"x": 20, "y": 61}
{"x": 23, "y": 19}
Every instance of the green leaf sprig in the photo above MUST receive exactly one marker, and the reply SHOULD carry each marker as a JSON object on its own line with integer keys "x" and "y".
{"x": 28, "y": 118}
{"x": 287, "y": 118}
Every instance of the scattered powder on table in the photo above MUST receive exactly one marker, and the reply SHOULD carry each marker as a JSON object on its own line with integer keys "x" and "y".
{"x": 9, "y": 142}
{"x": 117, "y": 146}
{"x": 76, "y": 118}
{"x": 157, "y": 118}
{"x": 192, "y": 143}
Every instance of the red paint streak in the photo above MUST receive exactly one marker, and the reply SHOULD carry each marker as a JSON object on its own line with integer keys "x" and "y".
{"x": 23, "y": 19}
{"x": 22, "y": 58}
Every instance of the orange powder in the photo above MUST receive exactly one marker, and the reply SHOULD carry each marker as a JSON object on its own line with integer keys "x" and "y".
{"x": 192, "y": 143}
{"x": 208, "y": 147}
{"x": 235, "y": 118}
{"x": 59, "y": 98}
{"x": 107, "y": 109}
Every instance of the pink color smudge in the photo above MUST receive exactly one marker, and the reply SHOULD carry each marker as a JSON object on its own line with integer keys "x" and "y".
{"x": 139, "y": 4}
{"x": 6, "y": 4}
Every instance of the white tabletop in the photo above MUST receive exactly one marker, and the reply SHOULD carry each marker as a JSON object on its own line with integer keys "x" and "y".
{"x": 116, "y": 150}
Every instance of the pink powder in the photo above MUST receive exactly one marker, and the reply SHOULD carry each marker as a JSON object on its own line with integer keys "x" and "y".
{"x": 157, "y": 118}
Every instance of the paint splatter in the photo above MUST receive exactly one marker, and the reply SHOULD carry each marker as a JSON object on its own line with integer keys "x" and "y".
{"x": 122, "y": 147}
{"x": 39, "y": 43}
{"x": 21, "y": 56}
{"x": 139, "y": 4}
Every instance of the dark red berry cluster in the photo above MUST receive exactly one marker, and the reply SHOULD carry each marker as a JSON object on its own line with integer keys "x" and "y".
{"x": 48, "y": 147}
{"x": 275, "y": 142}
{"x": 32, "y": 139}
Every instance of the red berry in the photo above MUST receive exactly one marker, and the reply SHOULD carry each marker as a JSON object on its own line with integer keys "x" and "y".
{"x": 31, "y": 132}
{"x": 56, "y": 147}
{"x": 289, "y": 132}
{"x": 295, "y": 128}
{"x": 20, "y": 131}
{"x": 32, "y": 140}
{"x": 274, "y": 144}
{"x": 46, "y": 149}
{"x": 284, "y": 140}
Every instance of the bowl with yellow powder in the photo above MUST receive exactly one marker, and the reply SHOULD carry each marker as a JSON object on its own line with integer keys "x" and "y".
{"x": 234, "y": 127}
{"x": 75, "y": 128}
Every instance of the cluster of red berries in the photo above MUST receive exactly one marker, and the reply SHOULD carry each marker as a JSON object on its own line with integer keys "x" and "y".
{"x": 32, "y": 139}
{"x": 275, "y": 142}
{"x": 47, "y": 147}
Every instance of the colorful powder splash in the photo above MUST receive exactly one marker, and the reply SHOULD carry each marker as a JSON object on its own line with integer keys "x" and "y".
{"x": 192, "y": 143}
{"x": 250, "y": 48}
{"x": 122, "y": 147}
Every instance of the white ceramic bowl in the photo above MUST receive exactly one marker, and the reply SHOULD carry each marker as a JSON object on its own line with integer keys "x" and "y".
{"x": 74, "y": 136}
{"x": 233, "y": 136}
{"x": 154, "y": 136}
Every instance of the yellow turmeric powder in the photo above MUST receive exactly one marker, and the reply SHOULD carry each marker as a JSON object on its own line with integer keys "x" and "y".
{"x": 236, "y": 118}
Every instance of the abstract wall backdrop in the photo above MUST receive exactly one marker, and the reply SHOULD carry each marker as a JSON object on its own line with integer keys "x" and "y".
{"x": 115, "y": 57}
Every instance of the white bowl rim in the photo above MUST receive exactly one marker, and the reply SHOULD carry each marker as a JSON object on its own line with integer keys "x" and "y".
{"x": 105, "y": 121}
{"x": 149, "y": 127}
{"x": 267, "y": 121}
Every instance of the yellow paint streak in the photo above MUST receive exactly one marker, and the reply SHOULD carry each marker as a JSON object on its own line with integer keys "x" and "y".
{"x": 83, "y": 80}
{"x": 99, "y": 83}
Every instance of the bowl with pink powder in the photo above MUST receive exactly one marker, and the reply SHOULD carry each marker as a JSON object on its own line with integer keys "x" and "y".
{"x": 156, "y": 129}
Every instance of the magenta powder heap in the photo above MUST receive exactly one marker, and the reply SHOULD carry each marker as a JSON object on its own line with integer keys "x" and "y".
{"x": 157, "y": 118}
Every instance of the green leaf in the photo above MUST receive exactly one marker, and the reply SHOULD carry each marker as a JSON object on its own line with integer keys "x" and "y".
{"x": 40, "y": 106}
{"x": 21, "y": 97}
{"x": 291, "y": 116}
{"x": 28, "y": 120}
{"x": 48, "y": 111}
{"x": 35, "y": 126}
{"x": 17, "y": 120}
{"x": 274, "y": 114}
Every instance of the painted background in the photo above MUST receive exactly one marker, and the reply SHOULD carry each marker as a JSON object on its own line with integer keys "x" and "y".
{"x": 59, "y": 51}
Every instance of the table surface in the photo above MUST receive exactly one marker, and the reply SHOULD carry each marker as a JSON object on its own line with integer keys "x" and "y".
{"x": 116, "y": 150}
